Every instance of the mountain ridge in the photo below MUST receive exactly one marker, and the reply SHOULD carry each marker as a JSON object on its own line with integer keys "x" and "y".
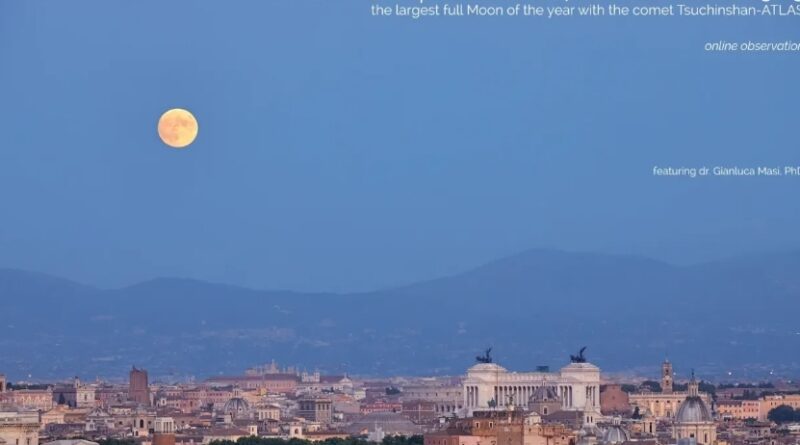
{"x": 793, "y": 254}
{"x": 535, "y": 307}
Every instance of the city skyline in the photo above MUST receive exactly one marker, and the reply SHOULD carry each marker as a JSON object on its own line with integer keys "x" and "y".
{"x": 571, "y": 405}
{"x": 399, "y": 222}
{"x": 680, "y": 375}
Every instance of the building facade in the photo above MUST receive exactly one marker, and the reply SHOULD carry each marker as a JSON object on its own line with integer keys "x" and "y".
{"x": 614, "y": 401}
{"x": 664, "y": 404}
{"x": 37, "y": 399}
{"x": 19, "y": 427}
{"x": 768, "y": 403}
{"x": 316, "y": 409}
{"x": 489, "y": 385}
{"x": 74, "y": 394}
{"x": 268, "y": 383}
{"x": 446, "y": 400}
{"x": 502, "y": 427}
{"x": 738, "y": 409}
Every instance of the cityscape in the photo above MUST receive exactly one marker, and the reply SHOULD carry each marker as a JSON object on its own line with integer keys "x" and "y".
{"x": 488, "y": 404}
{"x": 399, "y": 222}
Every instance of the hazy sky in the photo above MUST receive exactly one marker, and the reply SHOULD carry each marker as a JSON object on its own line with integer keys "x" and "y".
{"x": 339, "y": 151}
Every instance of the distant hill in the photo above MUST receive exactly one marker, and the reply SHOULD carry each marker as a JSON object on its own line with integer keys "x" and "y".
{"x": 534, "y": 308}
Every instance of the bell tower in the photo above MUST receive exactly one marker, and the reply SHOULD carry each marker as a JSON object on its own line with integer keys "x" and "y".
{"x": 666, "y": 377}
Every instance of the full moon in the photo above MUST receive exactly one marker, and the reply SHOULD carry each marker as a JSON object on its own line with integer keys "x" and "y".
{"x": 177, "y": 128}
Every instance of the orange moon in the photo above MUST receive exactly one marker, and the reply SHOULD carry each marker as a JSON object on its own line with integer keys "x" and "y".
{"x": 177, "y": 128}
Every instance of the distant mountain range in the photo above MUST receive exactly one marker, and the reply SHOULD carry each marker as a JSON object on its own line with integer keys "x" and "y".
{"x": 534, "y": 308}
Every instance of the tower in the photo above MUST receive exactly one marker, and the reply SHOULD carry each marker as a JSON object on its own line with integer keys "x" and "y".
{"x": 138, "y": 390}
{"x": 649, "y": 424}
{"x": 694, "y": 387}
{"x": 588, "y": 433}
{"x": 2, "y": 383}
{"x": 666, "y": 377}
{"x": 588, "y": 416}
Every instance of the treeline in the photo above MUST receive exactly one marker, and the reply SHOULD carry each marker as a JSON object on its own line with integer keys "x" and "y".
{"x": 251, "y": 440}
{"x": 21, "y": 386}
{"x": 115, "y": 441}
{"x": 654, "y": 386}
{"x": 764, "y": 385}
{"x": 748, "y": 394}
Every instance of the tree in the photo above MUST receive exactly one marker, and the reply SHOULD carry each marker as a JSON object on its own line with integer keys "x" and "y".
{"x": 392, "y": 391}
{"x": 402, "y": 440}
{"x": 783, "y": 414}
{"x": 652, "y": 385}
{"x": 707, "y": 387}
{"x": 680, "y": 386}
{"x": 748, "y": 394}
{"x": 116, "y": 442}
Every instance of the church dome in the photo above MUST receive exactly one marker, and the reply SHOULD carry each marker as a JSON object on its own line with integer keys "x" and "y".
{"x": 693, "y": 410}
{"x": 615, "y": 433}
{"x": 236, "y": 406}
{"x": 545, "y": 393}
{"x": 587, "y": 435}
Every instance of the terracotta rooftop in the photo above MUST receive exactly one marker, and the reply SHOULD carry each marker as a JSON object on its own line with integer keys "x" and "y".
{"x": 253, "y": 378}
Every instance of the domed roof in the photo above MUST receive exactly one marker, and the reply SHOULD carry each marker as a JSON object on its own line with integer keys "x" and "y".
{"x": 545, "y": 393}
{"x": 693, "y": 410}
{"x": 615, "y": 433}
{"x": 587, "y": 435}
{"x": 236, "y": 405}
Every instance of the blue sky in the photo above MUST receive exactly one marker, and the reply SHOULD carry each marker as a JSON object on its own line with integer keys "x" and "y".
{"x": 339, "y": 151}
